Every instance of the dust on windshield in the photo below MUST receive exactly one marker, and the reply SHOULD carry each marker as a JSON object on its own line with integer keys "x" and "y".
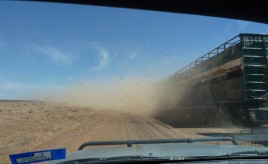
{"x": 70, "y": 74}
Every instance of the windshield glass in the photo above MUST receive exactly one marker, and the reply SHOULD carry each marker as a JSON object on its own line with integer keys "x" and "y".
{"x": 71, "y": 74}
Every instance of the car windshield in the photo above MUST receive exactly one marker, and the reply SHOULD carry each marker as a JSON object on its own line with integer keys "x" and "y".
{"x": 71, "y": 74}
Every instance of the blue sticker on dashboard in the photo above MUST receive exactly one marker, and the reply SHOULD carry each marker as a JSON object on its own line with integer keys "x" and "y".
{"x": 38, "y": 156}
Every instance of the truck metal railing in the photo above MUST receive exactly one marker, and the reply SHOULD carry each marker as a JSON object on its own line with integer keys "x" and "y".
{"x": 235, "y": 40}
{"x": 210, "y": 54}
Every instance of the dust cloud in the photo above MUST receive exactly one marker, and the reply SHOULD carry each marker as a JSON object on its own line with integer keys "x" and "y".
{"x": 168, "y": 101}
{"x": 137, "y": 95}
{"x": 169, "y": 95}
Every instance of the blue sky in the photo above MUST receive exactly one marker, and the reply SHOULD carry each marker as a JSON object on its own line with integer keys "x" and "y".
{"x": 50, "y": 46}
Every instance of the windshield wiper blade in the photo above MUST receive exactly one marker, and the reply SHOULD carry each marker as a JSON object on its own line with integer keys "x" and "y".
{"x": 237, "y": 155}
{"x": 129, "y": 143}
{"x": 120, "y": 159}
{"x": 171, "y": 159}
{"x": 253, "y": 152}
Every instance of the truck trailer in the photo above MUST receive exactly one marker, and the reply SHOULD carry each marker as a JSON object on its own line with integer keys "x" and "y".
{"x": 231, "y": 79}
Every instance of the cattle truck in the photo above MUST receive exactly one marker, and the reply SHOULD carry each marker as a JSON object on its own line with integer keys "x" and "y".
{"x": 231, "y": 80}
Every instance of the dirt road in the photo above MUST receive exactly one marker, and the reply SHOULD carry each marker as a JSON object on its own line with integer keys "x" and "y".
{"x": 28, "y": 126}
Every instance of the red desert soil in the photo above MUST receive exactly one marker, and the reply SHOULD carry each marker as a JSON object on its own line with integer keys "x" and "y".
{"x": 31, "y": 125}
